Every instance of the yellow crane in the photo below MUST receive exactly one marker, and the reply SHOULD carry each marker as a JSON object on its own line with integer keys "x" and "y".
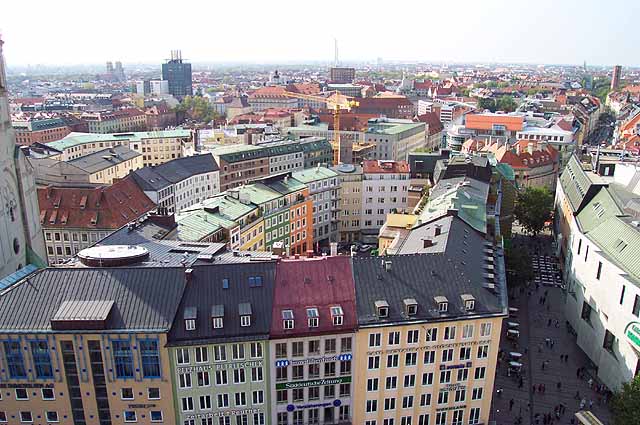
{"x": 337, "y": 102}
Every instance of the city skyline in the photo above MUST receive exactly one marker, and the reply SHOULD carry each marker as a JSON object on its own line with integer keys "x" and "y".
{"x": 423, "y": 33}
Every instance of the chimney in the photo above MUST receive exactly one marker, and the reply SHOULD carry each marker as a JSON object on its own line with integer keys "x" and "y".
{"x": 387, "y": 265}
{"x": 334, "y": 248}
{"x": 188, "y": 274}
{"x": 309, "y": 253}
{"x": 278, "y": 249}
{"x": 438, "y": 230}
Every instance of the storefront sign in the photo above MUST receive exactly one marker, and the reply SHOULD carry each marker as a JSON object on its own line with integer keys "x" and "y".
{"x": 455, "y": 366}
{"x": 314, "y": 360}
{"x": 26, "y": 385}
{"x": 141, "y": 406}
{"x": 313, "y": 383}
{"x": 219, "y": 366}
{"x": 453, "y": 387}
{"x": 429, "y": 347}
{"x": 230, "y": 412}
{"x": 443, "y": 409}
{"x": 334, "y": 403}
{"x": 633, "y": 334}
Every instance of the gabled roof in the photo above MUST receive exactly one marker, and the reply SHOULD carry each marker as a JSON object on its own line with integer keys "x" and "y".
{"x": 105, "y": 207}
{"x": 206, "y": 290}
{"x": 578, "y": 185}
{"x": 145, "y": 299}
{"x": 76, "y": 139}
{"x": 103, "y": 159}
{"x": 321, "y": 283}
{"x": 158, "y": 177}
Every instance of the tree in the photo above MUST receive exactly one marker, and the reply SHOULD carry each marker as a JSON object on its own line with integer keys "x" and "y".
{"x": 506, "y": 103}
{"x": 197, "y": 108}
{"x": 534, "y": 207}
{"x": 519, "y": 269}
{"x": 625, "y": 404}
{"x": 487, "y": 103}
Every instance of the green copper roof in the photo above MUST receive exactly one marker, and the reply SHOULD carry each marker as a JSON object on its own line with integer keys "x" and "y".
{"x": 286, "y": 187}
{"x": 600, "y": 209}
{"x": 506, "y": 170}
{"x": 227, "y": 205}
{"x": 75, "y": 139}
{"x": 313, "y": 174}
{"x": 259, "y": 193}
{"x": 237, "y": 153}
{"x": 393, "y": 128}
{"x": 197, "y": 225}
{"x": 620, "y": 241}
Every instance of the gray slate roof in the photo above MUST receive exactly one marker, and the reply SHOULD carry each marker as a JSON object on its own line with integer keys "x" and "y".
{"x": 104, "y": 159}
{"x": 174, "y": 171}
{"x": 205, "y": 290}
{"x": 578, "y": 186}
{"x": 144, "y": 298}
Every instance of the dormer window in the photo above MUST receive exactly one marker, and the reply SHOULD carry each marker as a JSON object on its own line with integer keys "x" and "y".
{"x": 217, "y": 316}
{"x": 287, "y": 319}
{"x": 244, "y": 309}
{"x": 312, "y": 317}
{"x": 190, "y": 316}
{"x": 410, "y": 306}
{"x": 337, "y": 315}
{"x": 382, "y": 309}
{"x": 469, "y": 302}
{"x": 225, "y": 283}
{"x": 443, "y": 304}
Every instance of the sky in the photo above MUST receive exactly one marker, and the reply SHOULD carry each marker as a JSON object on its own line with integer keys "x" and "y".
{"x": 73, "y": 32}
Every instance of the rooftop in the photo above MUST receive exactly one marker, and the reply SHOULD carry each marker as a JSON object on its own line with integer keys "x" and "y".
{"x": 76, "y": 139}
{"x": 160, "y": 176}
{"x": 103, "y": 159}
{"x": 309, "y": 175}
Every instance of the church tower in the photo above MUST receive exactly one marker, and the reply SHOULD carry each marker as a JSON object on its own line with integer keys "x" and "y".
{"x": 21, "y": 240}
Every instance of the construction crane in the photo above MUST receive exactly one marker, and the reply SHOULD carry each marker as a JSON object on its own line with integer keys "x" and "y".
{"x": 337, "y": 102}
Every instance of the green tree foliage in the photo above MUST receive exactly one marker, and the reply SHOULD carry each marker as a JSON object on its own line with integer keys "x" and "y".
{"x": 534, "y": 207}
{"x": 519, "y": 269}
{"x": 625, "y": 404}
{"x": 197, "y": 108}
{"x": 506, "y": 103}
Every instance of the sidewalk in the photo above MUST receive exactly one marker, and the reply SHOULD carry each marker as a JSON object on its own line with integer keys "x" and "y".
{"x": 542, "y": 321}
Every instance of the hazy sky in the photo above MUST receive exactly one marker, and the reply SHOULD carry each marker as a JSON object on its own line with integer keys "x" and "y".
{"x": 535, "y": 31}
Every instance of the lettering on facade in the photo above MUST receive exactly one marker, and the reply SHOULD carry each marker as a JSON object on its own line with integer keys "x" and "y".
{"x": 334, "y": 403}
{"x": 219, "y": 366}
{"x": 26, "y": 385}
{"x": 633, "y": 334}
{"x": 313, "y": 383}
{"x": 429, "y": 347}
{"x": 453, "y": 387}
{"x": 231, "y": 412}
{"x": 141, "y": 406}
{"x": 314, "y": 360}
{"x": 455, "y": 366}
{"x": 442, "y": 409}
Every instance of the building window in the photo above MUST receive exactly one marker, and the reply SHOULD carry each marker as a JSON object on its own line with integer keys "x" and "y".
{"x": 153, "y": 393}
{"x": 15, "y": 362}
{"x": 26, "y": 417}
{"x": 636, "y": 306}
{"x": 130, "y": 416}
{"x": 48, "y": 394}
{"x": 202, "y": 355}
{"x": 609, "y": 341}
{"x": 150, "y": 358}
{"x": 126, "y": 393}
{"x": 256, "y": 350}
{"x": 41, "y": 359}
{"x": 52, "y": 416}
{"x": 586, "y": 311}
{"x": 599, "y": 272}
{"x": 156, "y": 415}
{"x": 123, "y": 358}
{"x": 374, "y": 340}
{"x": 187, "y": 404}
{"x": 22, "y": 394}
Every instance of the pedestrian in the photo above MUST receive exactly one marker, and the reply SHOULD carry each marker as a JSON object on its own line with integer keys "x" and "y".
{"x": 552, "y": 343}
{"x": 520, "y": 382}
{"x": 578, "y": 373}
{"x": 583, "y": 402}
{"x": 549, "y": 323}
{"x": 577, "y": 396}
{"x": 543, "y": 388}
{"x": 540, "y": 388}
{"x": 566, "y": 357}
{"x": 511, "y": 404}
{"x": 559, "y": 385}
{"x": 561, "y": 357}
{"x": 590, "y": 404}
{"x": 540, "y": 348}
{"x": 590, "y": 382}
{"x": 534, "y": 388}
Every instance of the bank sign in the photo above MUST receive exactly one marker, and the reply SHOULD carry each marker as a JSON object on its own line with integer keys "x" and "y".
{"x": 314, "y": 360}
{"x": 632, "y": 333}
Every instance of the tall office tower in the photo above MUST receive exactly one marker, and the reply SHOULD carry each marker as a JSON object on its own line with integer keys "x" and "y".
{"x": 21, "y": 239}
{"x": 119, "y": 72}
{"x": 615, "y": 79}
{"x": 178, "y": 74}
{"x": 109, "y": 67}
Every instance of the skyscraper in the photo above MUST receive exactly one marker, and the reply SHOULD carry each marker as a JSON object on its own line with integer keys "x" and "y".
{"x": 615, "y": 79}
{"x": 178, "y": 74}
{"x": 21, "y": 240}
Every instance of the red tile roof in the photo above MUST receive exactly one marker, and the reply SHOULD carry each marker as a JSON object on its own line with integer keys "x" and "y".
{"x": 321, "y": 283}
{"x": 269, "y": 92}
{"x": 486, "y": 121}
{"x": 379, "y": 166}
{"x": 433, "y": 121}
{"x": 518, "y": 156}
{"x": 104, "y": 207}
{"x": 304, "y": 88}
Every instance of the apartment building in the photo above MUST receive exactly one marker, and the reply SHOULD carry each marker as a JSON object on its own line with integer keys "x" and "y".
{"x": 395, "y": 138}
{"x": 75, "y": 218}
{"x": 350, "y": 201}
{"x": 86, "y": 346}
{"x": 316, "y": 151}
{"x": 429, "y": 325}
{"x": 219, "y": 345}
{"x": 180, "y": 183}
{"x": 104, "y": 166}
{"x": 324, "y": 189}
{"x": 311, "y": 347}
{"x": 285, "y": 156}
{"x": 116, "y": 121}
{"x": 385, "y": 189}
{"x": 156, "y": 147}
{"x": 30, "y": 130}
{"x": 240, "y": 164}
{"x": 272, "y": 97}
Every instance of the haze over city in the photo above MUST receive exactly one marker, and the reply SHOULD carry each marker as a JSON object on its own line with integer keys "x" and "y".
{"x": 72, "y": 32}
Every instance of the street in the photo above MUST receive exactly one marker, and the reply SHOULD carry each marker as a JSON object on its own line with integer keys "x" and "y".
{"x": 551, "y": 385}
